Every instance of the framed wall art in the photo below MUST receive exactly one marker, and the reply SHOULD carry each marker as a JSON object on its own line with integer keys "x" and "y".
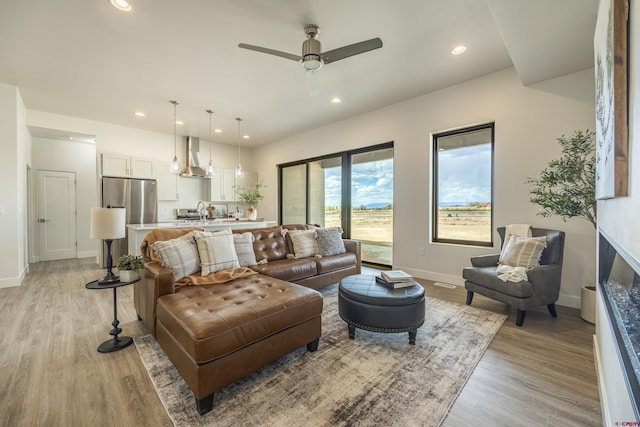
{"x": 612, "y": 121}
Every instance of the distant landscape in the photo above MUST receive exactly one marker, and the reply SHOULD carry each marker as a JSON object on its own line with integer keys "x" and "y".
{"x": 465, "y": 222}
{"x": 373, "y": 226}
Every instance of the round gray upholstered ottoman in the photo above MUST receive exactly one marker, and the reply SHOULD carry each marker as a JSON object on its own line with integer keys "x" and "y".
{"x": 365, "y": 304}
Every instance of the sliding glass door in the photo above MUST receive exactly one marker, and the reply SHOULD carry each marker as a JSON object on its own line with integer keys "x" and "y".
{"x": 372, "y": 204}
{"x": 294, "y": 194}
{"x": 352, "y": 190}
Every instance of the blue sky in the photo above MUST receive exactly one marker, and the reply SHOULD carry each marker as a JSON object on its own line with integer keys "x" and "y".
{"x": 465, "y": 176}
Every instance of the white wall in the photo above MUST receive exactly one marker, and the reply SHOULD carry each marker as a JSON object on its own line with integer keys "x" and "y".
{"x": 619, "y": 219}
{"x": 15, "y": 145}
{"x": 79, "y": 158}
{"x": 527, "y": 122}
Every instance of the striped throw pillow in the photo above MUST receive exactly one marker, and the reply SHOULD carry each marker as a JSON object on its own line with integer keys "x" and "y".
{"x": 216, "y": 250}
{"x": 179, "y": 254}
{"x": 304, "y": 243}
{"x": 524, "y": 251}
{"x": 243, "y": 243}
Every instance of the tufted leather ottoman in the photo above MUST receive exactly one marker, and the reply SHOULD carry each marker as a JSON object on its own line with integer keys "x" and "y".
{"x": 216, "y": 334}
{"x": 365, "y": 304}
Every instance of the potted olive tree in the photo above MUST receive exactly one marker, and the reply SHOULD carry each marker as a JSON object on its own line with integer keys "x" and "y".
{"x": 567, "y": 187}
{"x": 128, "y": 266}
{"x": 250, "y": 196}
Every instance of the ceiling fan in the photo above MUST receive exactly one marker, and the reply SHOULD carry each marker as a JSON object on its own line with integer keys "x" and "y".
{"x": 312, "y": 56}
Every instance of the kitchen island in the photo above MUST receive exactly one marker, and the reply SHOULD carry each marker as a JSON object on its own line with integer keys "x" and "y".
{"x": 137, "y": 232}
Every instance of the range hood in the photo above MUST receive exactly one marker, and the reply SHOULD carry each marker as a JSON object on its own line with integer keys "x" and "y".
{"x": 193, "y": 162}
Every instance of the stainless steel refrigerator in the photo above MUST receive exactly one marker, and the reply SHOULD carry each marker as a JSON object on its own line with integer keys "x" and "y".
{"x": 139, "y": 197}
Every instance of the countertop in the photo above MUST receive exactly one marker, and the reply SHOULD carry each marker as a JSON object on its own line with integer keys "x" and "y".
{"x": 209, "y": 224}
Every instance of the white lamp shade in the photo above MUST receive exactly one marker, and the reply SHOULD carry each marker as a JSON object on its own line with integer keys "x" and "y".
{"x": 107, "y": 223}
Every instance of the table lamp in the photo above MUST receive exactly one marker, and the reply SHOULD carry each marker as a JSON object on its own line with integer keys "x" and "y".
{"x": 108, "y": 224}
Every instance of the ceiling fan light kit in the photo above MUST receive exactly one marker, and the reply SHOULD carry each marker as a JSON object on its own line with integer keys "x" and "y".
{"x": 313, "y": 58}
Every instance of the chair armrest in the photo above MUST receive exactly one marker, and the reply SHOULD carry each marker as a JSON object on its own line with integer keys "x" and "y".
{"x": 355, "y": 247}
{"x": 546, "y": 282}
{"x": 545, "y": 276}
{"x": 485, "y": 260}
{"x": 155, "y": 282}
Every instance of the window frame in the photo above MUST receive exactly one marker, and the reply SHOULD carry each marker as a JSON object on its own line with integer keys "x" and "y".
{"x": 434, "y": 186}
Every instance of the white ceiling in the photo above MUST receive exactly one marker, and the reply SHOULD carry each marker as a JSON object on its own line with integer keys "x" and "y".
{"x": 83, "y": 58}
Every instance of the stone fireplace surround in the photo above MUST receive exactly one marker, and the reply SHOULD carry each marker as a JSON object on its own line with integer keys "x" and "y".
{"x": 619, "y": 285}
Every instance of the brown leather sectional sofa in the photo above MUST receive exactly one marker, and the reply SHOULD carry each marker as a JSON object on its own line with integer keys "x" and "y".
{"x": 216, "y": 334}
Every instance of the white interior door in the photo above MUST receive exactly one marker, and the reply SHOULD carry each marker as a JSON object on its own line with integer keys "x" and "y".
{"x": 57, "y": 215}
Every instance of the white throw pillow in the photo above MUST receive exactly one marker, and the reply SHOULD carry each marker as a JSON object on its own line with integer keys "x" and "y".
{"x": 304, "y": 243}
{"x": 217, "y": 251}
{"x": 180, "y": 255}
{"x": 244, "y": 248}
{"x": 524, "y": 251}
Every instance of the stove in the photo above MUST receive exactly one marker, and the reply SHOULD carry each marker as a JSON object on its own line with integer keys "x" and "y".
{"x": 187, "y": 214}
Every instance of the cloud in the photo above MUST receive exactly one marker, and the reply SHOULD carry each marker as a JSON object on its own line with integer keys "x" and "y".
{"x": 371, "y": 182}
{"x": 464, "y": 175}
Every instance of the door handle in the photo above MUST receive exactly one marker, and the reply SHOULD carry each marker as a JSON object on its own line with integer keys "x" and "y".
{"x": 43, "y": 220}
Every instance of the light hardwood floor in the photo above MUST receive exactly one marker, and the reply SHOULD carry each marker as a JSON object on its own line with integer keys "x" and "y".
{"x": 52, "y": 375}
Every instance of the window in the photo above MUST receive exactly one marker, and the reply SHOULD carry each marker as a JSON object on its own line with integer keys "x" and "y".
{"x": 463, "y": 186}
{"x": 353, "y": 190}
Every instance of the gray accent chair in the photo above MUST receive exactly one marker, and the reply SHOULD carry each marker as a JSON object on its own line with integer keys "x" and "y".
{"x": 541, "y": 288}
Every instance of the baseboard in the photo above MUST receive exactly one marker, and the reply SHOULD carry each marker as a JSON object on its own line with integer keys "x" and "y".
{"x": 431, "y": 275}
{"x": 569, "y": 301}
{"x": 604, "y": 405}
{"x": 12, "y": 282}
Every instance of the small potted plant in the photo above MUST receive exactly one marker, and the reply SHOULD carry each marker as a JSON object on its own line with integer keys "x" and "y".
{"x": 128, "y": 266}
{"x": 250, "y": 196}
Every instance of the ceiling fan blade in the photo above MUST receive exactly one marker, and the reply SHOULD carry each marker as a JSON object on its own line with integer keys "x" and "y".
{"x": 313, "y": 81}
{"x": 350, "y": 50}
{"x": 270, "y": 51}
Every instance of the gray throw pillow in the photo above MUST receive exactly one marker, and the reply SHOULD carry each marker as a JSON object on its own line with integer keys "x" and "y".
{"x": 330, "y": 241}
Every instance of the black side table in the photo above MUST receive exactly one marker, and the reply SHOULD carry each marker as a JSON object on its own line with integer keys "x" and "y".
{"x": 117, "y": 343}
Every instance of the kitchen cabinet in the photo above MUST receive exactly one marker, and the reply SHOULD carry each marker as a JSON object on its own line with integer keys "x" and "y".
{"x": 224, "y": 182}
{"x": 167, "y": 182}
{"x": 126, "y": 166}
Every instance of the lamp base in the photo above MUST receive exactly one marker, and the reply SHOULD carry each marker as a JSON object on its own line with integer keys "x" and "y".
{"x": 109, "y": 279}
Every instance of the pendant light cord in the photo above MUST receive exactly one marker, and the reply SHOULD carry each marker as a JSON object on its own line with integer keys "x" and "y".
{"x": 175, "y": 128}
{"x": 210, "y": 138}
{"x": 239, "y": 169}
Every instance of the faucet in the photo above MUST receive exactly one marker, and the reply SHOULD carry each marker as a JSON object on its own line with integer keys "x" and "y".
{"x": 201, "y": 210}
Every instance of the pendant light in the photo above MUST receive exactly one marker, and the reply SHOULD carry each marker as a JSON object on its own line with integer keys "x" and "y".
{"x": 209, "y": 170}
{"x": 175, "y": 166}
{"x": 239, "y": 168}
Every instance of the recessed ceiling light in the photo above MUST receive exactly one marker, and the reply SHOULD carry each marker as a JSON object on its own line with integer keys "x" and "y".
{"x": 218, "y": 130}
{"x": 179, "y": 122}
{"x": 139, "y": 113}
{"x": 123, "y": 5}
{"x": 246, "y": 136}
{"x": 461, "y": 48}
{"x": 336, "y": 100}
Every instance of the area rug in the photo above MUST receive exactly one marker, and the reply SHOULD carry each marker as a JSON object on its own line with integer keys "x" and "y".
{"x": 376, "y": 379}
